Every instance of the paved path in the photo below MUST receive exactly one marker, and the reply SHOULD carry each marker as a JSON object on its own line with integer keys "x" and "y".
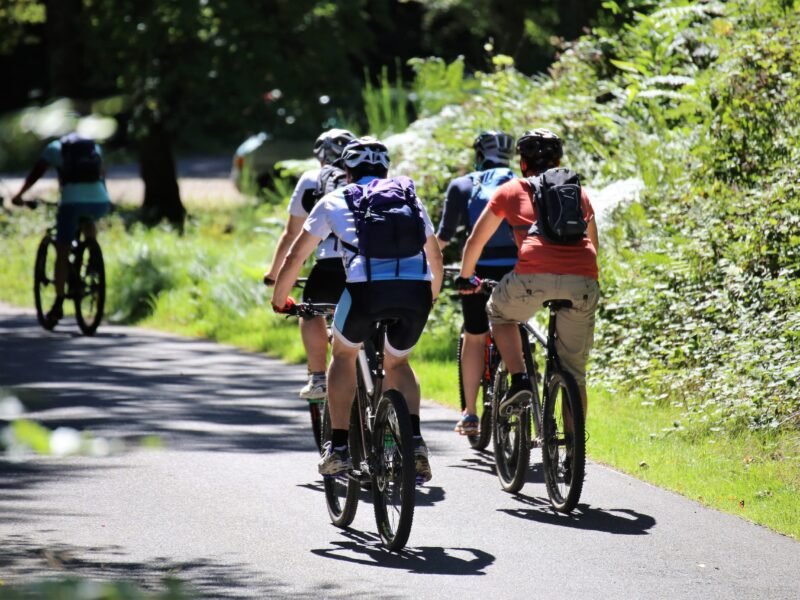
{"x": 232, "y": 503}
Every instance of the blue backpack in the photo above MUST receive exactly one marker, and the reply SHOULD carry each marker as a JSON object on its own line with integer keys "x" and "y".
{"x": 388, "y": 219}
{"x": 485, "y": 183}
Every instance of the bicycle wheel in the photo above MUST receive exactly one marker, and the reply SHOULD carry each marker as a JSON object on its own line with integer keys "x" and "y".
{"x": 341, "y": 491}
{"x": 89, "y": 291}
{"x": 315, "y": 410}
{"x": 394, "y": 479}
{"x": 564, "y": 442}
{"x": 512, "y": 437}
{"x": 44, "y": 277}
{"x": 483, "y": 408}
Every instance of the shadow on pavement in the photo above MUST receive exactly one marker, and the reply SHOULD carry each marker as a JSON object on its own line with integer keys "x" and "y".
{"x": 208, "y": 578}
{"x": 619, "y": 521}
{"x": 366, "y": 549}
{"x": 191, "y": 394}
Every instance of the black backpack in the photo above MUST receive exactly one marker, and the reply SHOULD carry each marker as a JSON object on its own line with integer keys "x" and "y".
{"x": 556, "y": 196}
{"x": 329, "y": 179}
{"x": 81, "y": 162}
{"x": 388, "y": 219}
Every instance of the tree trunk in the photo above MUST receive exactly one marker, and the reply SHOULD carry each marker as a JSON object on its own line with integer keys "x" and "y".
{"x": 162, "y": 198}
{"x": 65, "y": 53}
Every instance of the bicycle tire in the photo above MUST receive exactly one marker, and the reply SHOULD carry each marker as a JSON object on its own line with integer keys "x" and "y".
{"x": 511, "y": 436}
{"x": 44, "y": 291}
{"x": 315, "y": 410}
{"x": 563, "y": 455}
{"x": 482, "y": 439}
{"x": 393, "y": 484}
{"x": 89, "y": 293}
{"x": 341, "y": 491}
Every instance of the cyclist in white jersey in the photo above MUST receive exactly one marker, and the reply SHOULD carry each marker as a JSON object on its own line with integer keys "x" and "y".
{"x": 326, "y": 280}
{"x": 401, "y": 289}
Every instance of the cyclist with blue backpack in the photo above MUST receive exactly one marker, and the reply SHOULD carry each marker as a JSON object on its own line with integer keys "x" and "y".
{"x": 466, "y": 197}
{"x": 326, "y": 279}
{"x": 394, "y": 271}
{"x": 84, "y": 200}
{"x": 553, "y": 220}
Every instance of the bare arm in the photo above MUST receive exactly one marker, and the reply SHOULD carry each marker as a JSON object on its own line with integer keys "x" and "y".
{"x": 37, "y": 171}
{"x": 293, "y": 228}
{"x": 436, "y": 263}
{"x": 300, "y": 250}
{"x": 484, "y": 228}
{"x": 591, "y": 231}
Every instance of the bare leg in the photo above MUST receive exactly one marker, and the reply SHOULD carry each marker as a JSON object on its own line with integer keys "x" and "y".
{"x": 315, "y": 340}
{"x": 507, "y": 339}
{"x": 341, "y": 383}
{"x": 62, "y": 266}
{"x": 401, "y": 377}
{"x": 472, "y": 353}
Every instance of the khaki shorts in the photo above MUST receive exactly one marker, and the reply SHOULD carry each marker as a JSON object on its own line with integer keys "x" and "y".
{"x": 519, "y": 296}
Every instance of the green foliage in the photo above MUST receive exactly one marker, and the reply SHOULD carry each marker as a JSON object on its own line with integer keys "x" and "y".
{"x": 700, "y": 278}
{"x": 438, "y": 84}
{"x": 385, "y": 106}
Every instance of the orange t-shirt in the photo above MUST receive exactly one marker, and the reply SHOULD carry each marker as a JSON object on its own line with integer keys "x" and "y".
{"x": 512, "y": 201}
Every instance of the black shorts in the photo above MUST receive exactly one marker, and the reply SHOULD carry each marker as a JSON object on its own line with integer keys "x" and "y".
{"x": 362, "y": 305}
{"x": 474, "y": 306}
{"x": 325, "y": 281}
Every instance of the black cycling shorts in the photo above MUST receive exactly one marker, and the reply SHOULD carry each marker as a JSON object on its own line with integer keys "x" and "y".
{"x": 473, "y": 306}
{"x": 406, "y": 303}
{"x": 325, "y": 281}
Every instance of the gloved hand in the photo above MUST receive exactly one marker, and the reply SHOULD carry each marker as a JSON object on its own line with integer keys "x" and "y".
{"x": 467, "y": 285}
{"x": 268, "y": 281}
{"x": 286, "y": 308}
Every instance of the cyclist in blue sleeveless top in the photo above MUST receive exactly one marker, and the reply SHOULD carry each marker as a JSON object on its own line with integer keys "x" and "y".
{"x": 466, "y": 198}
{"x": 84, "y": 198}
{"x": 402, "y": 289}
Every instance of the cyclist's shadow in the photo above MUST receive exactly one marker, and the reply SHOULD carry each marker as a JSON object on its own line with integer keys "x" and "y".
{"x": 366, "y": 549}
{"x": 620, "y": 521}
{"x": 426, "y": 495}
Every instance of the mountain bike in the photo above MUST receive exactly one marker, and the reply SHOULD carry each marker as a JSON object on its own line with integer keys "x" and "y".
{"x": 86, "y": 277}
{"x": 555, "y": 414}
{"x": 381, "y": 447}
{"x": 491, "y": 358}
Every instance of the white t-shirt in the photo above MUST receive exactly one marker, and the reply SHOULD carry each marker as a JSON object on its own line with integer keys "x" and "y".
{"x": 307, "y": 184}
{"x": 332, "y": 215}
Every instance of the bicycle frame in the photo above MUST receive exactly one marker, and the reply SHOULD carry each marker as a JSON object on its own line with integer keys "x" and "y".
{"x": 552, "y": 364}
{"x": 370, "y": 376}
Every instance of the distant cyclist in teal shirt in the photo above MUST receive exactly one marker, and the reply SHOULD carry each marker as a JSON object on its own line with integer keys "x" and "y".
{"x": 84, "y": 199}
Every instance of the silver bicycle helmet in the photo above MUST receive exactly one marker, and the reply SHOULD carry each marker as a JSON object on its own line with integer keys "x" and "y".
{"x": 330, "y": 144}
{"x": 540, "y": 146}
{"x": 494, "y": 146}
{"x": 365, "y": 150}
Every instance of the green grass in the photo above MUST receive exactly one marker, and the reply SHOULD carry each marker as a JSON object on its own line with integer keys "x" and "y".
{"x": 755, "y": 475}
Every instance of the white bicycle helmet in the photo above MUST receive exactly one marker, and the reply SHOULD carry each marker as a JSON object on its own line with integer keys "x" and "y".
{"x": 330, "y": 144}
{"x": 365, "y": 150}
{"x": 494, "y": 146}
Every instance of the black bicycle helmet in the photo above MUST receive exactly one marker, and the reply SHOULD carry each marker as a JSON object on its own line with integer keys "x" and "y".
{"x": 540, "y": 147}
{"x": 365, "y": 150}
{"x": 330, "y": 144}
{"x": 493, "y": 146}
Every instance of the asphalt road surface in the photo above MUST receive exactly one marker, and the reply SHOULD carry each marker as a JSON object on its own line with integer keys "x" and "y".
{"x": 231, "y": 501}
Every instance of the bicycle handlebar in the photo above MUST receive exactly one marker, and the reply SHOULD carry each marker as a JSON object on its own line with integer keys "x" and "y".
{"x": 311, "y": 309}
